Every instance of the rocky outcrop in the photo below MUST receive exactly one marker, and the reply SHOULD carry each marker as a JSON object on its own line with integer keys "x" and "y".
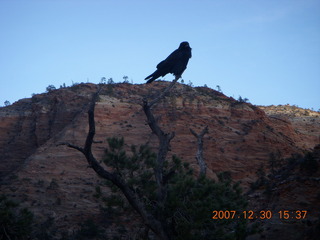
{"x": 29, "y": 123}
{"x": 305, "y": 122}
{"x": 55, "y": 181}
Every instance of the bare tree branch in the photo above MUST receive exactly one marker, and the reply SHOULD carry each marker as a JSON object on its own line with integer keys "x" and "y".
{"x": 5, "y": 232}
{"x": 164, "y": 138}
{"x": 80, "y": 149}
{"x": 199, "y": 155}
{"x": 164, "y": 146}
{"x": 157, "y": 99}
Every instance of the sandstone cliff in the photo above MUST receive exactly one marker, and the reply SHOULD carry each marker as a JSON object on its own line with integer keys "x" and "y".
{"x": 55, "y": 181}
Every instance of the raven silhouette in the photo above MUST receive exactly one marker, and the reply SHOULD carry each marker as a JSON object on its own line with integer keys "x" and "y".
{"x": 175, "y": 63}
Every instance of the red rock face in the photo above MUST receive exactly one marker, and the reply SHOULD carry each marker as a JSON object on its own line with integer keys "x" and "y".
{"x": 29, "y": 123}
{"x": 305, "y": 122}
{"x": 54, "y": 181}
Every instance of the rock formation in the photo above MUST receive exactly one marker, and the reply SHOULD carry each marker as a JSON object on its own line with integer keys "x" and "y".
{"x": 55, "y": 182}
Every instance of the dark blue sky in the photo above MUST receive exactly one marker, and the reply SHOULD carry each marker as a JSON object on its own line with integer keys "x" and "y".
{"x": 266, "y": 51}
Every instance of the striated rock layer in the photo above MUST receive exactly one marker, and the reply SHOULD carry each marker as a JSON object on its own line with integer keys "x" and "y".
{"x": 55, "y": 181}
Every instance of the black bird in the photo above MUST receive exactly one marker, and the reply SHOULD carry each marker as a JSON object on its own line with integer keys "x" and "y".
{"x": 175, "y": 63}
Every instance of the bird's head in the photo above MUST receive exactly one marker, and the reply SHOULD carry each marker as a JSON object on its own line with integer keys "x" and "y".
{"x": 184, "y": 45}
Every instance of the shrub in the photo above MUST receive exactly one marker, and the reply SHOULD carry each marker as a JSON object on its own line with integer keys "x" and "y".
{"x": 309, "y": 164}
{"x": 50, "y": 88}
{"x": 15, "y": 223}
{"x": 189, "y": 203}
{"x": 243, "y": 100}
{"x": 89, "y": 230}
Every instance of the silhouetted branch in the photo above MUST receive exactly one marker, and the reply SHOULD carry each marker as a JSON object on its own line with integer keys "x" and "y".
{"x": 164, "y": 146}
{"x": 199, "y": 155}
{"x": 157, "y": 99}
{"x": 80, "y": 149}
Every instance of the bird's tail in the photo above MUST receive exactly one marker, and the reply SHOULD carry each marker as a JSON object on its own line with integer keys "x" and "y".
{"x": 151, "y": 80}
{"x": 152, "y": 77}
{"x": 148, "y": 76}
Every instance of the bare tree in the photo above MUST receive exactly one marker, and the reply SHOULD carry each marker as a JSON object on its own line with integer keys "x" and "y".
{"x": 178, "y": 200}
{"x": 163, "y": 148}
{"x": 130, "y": 195}
{"x": 157, "y": 225}
{"x": 199, "y": 155}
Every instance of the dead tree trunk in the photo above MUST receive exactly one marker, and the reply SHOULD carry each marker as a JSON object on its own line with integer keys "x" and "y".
{"x": 153, "y": 223}
{"x": 199, "y": 155}
{"x": 163, "y": 148}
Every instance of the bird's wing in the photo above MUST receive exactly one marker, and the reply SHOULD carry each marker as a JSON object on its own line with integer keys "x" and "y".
{"x": 170, "y": 60}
